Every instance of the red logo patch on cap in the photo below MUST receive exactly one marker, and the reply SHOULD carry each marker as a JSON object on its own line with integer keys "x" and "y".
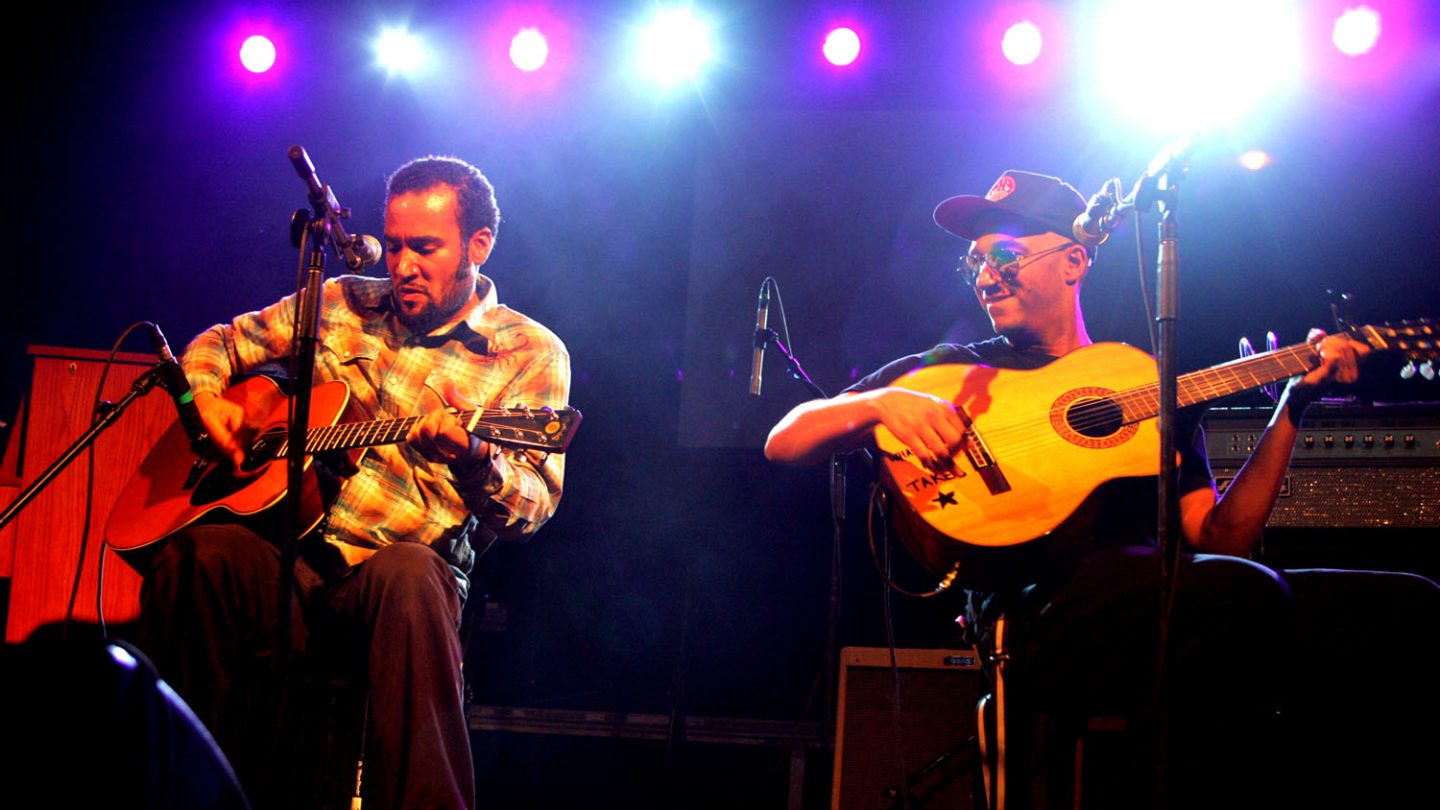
{"x": 1002, "y": 188}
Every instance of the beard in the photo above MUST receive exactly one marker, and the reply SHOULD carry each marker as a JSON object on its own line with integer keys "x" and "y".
{"x": 438, "y": 310}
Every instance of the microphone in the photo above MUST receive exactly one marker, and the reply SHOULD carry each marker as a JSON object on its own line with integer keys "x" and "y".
{"x": 762, "y": 320}
{"x": 361, "y": 251}
{"x": 172, "y": 379}
{"x": 1102, "y": 214}
{"x": 358, "y": 250}
{"x": 1107, "y": 209}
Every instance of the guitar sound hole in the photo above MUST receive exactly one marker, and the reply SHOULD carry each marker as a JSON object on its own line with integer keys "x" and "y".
{"x": 1096, "y": 418}
{"x": 219, "y": 481}
{"x": 265, "y": 450}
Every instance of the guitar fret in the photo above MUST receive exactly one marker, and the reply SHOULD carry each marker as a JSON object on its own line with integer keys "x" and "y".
{"x": 322, "y": 439}
{"x": 358, "y": 434}
{"x": 1143, "y": 402}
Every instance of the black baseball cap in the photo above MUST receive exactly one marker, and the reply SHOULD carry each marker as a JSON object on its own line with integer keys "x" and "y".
{"x": 1019, "y": 204}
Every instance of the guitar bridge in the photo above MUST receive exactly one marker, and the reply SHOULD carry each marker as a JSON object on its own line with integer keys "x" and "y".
{"x": 197, "y": 470}
{"x": 981, "y": 458}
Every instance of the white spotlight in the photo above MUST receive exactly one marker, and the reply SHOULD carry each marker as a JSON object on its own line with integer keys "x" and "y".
{"x": 1192, "y": 65}
{"x": 399, "y": 51}
{"x": 1255, "y": 160}
{"x": 673, "y": 46}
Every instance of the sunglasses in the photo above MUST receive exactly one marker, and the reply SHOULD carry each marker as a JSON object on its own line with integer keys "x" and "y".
{"x": 1006, "y": 262}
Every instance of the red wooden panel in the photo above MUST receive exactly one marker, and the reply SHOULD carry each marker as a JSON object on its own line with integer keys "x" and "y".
{"x": 50, "y": 533}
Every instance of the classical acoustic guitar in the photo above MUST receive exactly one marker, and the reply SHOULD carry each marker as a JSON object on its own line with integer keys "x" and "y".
{"x": 175, "y": 487}
{"x": 1039, "y": 442}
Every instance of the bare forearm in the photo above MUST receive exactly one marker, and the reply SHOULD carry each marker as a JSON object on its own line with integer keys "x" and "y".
{"x": 1239, "y": 517}
{"x": 817, "y": 429}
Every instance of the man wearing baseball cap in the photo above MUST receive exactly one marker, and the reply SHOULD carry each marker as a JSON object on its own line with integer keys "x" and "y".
{"x": 1080, "y": 605}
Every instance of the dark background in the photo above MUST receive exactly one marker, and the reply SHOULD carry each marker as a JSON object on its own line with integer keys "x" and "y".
{"x": 683, "y": 574}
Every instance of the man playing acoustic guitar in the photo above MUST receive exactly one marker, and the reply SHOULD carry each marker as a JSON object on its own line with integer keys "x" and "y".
{"x": 1080, "y": 595}
{"x": 386, "y": 570}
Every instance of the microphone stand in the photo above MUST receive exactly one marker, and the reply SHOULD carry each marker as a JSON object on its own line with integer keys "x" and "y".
{"x": 110, "y": 413}
{"x": 1159, "y": 185}
{"x": 311, "y": 234}
{"x": 1166, "y": 191}
{"x": 768, "y": 337}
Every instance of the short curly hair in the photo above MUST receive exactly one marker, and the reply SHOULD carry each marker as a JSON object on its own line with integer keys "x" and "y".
{"x": 473, "y": 192}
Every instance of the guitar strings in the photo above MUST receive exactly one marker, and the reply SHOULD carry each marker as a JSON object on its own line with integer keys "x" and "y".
{"x": 1142, "y": 402}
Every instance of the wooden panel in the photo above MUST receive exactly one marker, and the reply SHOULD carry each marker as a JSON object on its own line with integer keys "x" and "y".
{"x": 50, "y": 534}
{"x": 10, "y": 489}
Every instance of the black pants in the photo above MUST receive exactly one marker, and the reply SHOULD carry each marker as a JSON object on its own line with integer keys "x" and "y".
{"x": 210, "y": 619}
{"x": 1263, "y": 699}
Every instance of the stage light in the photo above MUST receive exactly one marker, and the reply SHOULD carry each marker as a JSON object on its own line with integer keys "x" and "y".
{"x": 673, "y": 46}
{"x": 1356, "y": 30}
{"x": 257, "y": 54}
{"x": 842, "y": 46}
{"x": 399, "y": 51}
{"x": 1021, "y": 44}
{"x": 1255, "y": 160}
{"x": 1184, "y": 66}
{"x": 529, "y": 50}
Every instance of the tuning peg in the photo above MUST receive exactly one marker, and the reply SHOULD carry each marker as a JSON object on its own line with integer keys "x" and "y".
{"x": 1427, "y": 369}
{"x": 1270, "y": 390}
{"x": 1340, "y": 309}
{"x": 1408, "y": 370}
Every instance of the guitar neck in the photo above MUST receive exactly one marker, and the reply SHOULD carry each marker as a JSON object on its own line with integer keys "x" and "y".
{"x": 543, "y": 430}
{"x": 354, "y": 435}
{"x": 1219, "y": 381}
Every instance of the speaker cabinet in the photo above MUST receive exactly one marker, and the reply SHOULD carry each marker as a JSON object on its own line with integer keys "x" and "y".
{"x": 918, "y": 733}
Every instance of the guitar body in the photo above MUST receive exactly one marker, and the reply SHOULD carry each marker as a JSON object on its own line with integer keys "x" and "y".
{"x": 1039, "y": 446}
{"x": 175, "y": 488}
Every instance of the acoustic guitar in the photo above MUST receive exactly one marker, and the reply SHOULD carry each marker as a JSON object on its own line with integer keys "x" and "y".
{"x": 174, "y": 487}
{"x": 1038, "y": 442}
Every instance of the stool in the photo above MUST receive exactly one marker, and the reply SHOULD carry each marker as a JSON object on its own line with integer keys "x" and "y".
{"x": 1052, "y": 764}
{"x": 332, "y": 711}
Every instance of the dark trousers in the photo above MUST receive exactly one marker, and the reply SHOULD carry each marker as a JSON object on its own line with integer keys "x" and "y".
{"x": 210, "y": 613}
{"x": 1277, "y": 687}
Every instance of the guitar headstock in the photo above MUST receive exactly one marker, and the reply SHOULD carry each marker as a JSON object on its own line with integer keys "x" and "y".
{"x": 1417, "y": 341}
{"x": 548, "y": 429}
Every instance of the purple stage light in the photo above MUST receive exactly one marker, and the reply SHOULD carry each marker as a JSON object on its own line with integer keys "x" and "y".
{"x": 842, "y": 46}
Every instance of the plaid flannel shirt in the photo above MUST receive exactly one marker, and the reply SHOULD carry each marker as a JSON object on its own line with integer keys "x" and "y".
{"x": 496, "y": 357}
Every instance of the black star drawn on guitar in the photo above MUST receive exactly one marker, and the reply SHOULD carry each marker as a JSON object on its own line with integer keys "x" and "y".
{"x": 946, "y": 499}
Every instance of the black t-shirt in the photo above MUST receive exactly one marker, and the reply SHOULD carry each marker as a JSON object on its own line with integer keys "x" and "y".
{"x": 1120, "y": 512}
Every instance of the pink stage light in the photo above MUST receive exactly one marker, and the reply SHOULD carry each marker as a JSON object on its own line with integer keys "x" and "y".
{"x": 1356, "y": 30}
{"x": 529, "y": 50}
{"x": 1022, "y": 43}
{"x": 257, "y": 53}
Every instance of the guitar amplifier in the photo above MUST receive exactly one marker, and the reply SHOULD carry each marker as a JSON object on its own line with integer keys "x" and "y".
{"x": 920, "y": 736}
{"x": 1352, "y": 467}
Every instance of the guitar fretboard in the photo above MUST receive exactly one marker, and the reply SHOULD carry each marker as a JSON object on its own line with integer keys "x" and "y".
{"x": 352, "y": 435}
{"x": 1143, "y": 402}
